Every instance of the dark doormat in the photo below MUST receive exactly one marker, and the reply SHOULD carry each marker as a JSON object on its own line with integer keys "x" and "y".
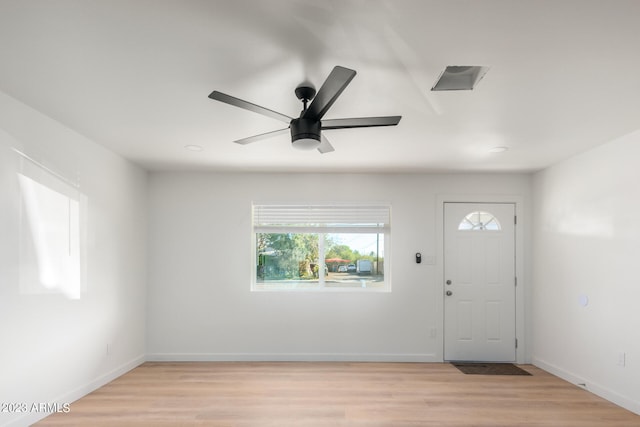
{"x": 489, "y": 368}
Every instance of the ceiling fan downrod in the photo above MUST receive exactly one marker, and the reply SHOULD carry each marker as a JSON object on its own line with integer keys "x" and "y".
{"x": 305, "y": 93}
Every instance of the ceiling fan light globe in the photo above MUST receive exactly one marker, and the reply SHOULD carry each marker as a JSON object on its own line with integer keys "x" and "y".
{"x": 305, "y": 143}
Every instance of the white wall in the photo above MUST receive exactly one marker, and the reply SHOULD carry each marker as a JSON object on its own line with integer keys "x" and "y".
{"x": 587, "y": 243}
{"x": 199, "y": 303}
{"x": 52, "y": 348}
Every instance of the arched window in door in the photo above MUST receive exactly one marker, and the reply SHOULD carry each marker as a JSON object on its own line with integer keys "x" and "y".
{"x": 479, "y": 220}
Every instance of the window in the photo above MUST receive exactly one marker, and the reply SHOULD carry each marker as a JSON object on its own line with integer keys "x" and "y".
{"x": 479, "y": 221}
{"x": 51, "y": 231}
{"x": 321, "y": 247}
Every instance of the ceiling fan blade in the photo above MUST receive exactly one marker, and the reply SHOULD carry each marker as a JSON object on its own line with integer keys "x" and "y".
{"x": 237, "y": 102}
{"x": 361, "y": 122}
{"x": 325, "y": 146}
{"x": 262, "y": 136}
{"x": 329, "y": 92}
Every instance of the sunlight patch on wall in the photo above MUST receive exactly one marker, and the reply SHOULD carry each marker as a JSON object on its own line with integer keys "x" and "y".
{"x": 581, "y": 218}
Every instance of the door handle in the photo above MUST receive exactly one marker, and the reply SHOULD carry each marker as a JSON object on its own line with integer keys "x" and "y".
{"x": 449, "y": 293}
{"x": 448, "y": 282}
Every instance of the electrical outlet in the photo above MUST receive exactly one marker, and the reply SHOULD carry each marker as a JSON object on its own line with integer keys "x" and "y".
{"x": 621, "y": 359}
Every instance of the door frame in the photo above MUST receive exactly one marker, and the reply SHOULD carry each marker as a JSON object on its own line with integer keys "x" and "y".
{"x": 518, "y": 201}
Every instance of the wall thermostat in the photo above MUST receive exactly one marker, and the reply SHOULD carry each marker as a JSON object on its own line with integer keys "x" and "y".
{"x": 418, "y": 257}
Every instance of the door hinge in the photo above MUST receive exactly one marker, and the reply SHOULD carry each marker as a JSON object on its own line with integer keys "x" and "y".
{"x": 515, "y": 281}
{"x": 515, "y": 220}
{"x": 516, "y": 342}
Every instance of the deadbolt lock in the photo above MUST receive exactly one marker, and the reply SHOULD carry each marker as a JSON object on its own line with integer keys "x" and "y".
{"x": 449, "y": 293}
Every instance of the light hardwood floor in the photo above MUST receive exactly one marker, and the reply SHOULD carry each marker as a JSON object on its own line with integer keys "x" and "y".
{"x": 336, "y": 394}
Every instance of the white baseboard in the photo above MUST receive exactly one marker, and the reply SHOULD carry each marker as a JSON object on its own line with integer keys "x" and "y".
{"x": 79, "y": 392}
{"x": 289, "y": 357}
{"x": 589, "y": 385}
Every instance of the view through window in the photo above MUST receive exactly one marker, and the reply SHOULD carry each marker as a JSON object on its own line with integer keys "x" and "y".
{"x": 321, "y": 247}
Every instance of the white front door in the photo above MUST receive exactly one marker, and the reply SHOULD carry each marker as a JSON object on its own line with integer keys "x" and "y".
{"x": 479, "y": 288}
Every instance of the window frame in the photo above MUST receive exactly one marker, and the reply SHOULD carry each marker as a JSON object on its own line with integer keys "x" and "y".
{"x": 356, "y": 227}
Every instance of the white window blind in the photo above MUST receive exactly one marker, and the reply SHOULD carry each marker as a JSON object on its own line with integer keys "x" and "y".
{"x": 282, "y": 218}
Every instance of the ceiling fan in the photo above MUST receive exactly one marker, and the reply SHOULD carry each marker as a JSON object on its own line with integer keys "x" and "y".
{"x": 306, "y": 129}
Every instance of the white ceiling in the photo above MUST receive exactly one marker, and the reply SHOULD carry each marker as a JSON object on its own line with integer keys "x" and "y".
{"x": 134, "y": 76}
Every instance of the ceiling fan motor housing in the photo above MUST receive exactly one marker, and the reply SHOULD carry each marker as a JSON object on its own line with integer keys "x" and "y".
{"x": 305, "y": 133}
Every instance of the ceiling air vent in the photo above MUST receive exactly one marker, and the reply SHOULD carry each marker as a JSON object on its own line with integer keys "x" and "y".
{"x": 460, "y": 77}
